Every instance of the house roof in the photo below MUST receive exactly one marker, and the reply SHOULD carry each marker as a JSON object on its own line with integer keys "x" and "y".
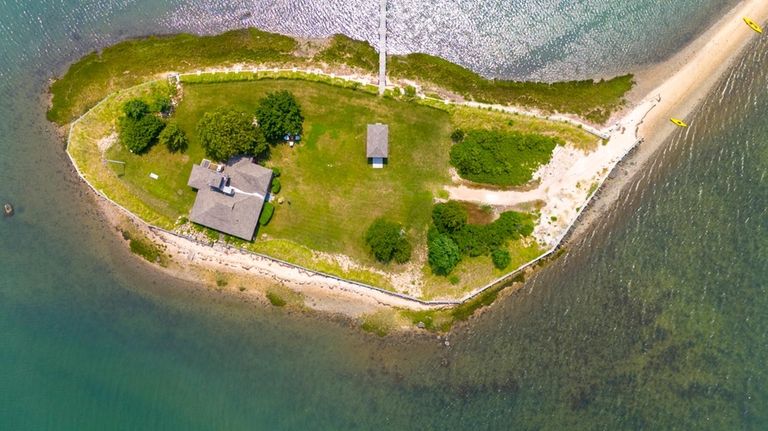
{"x": 236, "y": 214}
{"x": 378, "y": 141}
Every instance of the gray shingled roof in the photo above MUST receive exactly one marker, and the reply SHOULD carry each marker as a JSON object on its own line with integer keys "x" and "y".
{"x": 378, "y": 141}
{"x": 238, "y": 214}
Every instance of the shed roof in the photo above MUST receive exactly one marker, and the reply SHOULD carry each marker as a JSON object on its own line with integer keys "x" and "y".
{"x": 378, "y": 141}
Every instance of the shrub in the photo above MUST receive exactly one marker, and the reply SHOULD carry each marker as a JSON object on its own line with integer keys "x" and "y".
{"x": 443, "y": 254}
{"x": 457, "y": 136}
{"x": 501, "y": 158}
{"x": 276, "y": 172}
{"x": 139, "y": 134}
{"x": 387, "y": 241}
{"x": 160, "y": 103}
{"x": 501, "y": 258}
{"x": 266, "y": 213}
{"x": 135, "y": 109}
{"x": 276, "y": 299}
{"x": 228, "y": 132}
{"x": 449, "y": 217}
{"x": 279, "y": 114}
{"x": 173, "y": 138}
{"x": 276, "y": 186}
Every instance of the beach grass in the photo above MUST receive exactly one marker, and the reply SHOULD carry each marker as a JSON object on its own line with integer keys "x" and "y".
{"x": 593, "y": 100}
{"x": 128, "y": 63}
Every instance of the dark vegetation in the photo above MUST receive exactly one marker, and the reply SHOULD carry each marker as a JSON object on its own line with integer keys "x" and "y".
{"x": 387, "y": 241}
{"x": 227, "y": 132}
{"x": 266, "y": 213}
{"x": 501, "y": 158}
{"x": 138, "y": 128}
{"x": 451, "y": 237}
{"x": 279, "y": 114}
{"x": 173, "y": 138}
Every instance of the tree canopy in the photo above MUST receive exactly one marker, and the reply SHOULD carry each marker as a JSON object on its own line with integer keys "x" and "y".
{"x": 449, "y": 217}
{"x": 387, "y": 241}
{"x": 225, "y": 133}
{"x": 279, "y": 114}
{"x": 138, "y": 129}
{"x": 135, "y": 109}
{"x": 444, "y": 254}
{"x": 173, "y": 138}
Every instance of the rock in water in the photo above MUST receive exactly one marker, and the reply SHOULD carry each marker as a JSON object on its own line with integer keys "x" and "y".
{"x": 8, "y": 209}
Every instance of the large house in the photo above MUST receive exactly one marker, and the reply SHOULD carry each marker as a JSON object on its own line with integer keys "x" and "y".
{"x": 230, "y": 197}
{"x": 377, "y": 146}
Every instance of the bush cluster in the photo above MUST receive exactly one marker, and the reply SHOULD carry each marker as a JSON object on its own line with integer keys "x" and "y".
{"x": 451, "y": 236}
{"x": 501, "y": 158}
{"x": 173, "y": 138}
{"x": 138, "y": 128}
{"x": 387, "y": 241}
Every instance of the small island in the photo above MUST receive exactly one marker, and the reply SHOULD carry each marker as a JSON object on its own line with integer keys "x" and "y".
{"x": 252, "y": 155}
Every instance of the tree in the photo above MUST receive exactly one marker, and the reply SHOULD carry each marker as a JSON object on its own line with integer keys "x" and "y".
{"x": 387, "y": 241}
{"x": 135, "y": 109}
{"x": 443, "y": 254}
{"x": 173, "y": 138}
{"x": 449, "y": 217}
{"x": 501, "y": 258}
{"x": 138, "y": 134}
{"x": 225, "y": 133}
{"x": 279, "y": 114}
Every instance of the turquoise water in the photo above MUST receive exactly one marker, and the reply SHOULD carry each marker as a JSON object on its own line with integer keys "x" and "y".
{"x": 657, "y": 321}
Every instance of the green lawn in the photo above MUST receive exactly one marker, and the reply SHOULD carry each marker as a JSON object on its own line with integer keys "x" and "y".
{"x": 334, "y": 193}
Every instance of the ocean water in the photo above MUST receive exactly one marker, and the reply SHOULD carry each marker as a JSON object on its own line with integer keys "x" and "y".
{"x": 655, "y": 321}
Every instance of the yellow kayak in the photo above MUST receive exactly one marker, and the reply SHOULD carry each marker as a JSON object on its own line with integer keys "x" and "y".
{"x": 753, "y": 25}
{"x": 678, "y": 122}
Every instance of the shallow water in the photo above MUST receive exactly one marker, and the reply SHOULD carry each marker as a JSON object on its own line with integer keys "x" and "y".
{"x": 657, "y": 321}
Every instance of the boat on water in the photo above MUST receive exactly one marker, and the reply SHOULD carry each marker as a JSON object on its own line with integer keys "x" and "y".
{"x": 8, "y": 210}
{"x": 678, "y": 122}
{"x": 753, "y": 25}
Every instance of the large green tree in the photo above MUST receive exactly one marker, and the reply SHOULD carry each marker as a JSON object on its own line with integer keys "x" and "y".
{"x": 225, "y": 133}
{"x": 138, "y": 135}
{"x": 387, "y": 241}
{"x": 444, "y": 254}
{"x": 279, "y": 114}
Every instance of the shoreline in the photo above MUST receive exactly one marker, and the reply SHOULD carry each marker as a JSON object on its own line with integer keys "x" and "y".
{"x": 682, "y": 81}
{"x": 643, "y": 121}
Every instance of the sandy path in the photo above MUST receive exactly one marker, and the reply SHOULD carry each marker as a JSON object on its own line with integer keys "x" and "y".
{"x": 677, "y": 86}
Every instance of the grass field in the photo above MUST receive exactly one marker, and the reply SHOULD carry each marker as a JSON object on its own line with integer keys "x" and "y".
{"x": 334, "y": 193}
